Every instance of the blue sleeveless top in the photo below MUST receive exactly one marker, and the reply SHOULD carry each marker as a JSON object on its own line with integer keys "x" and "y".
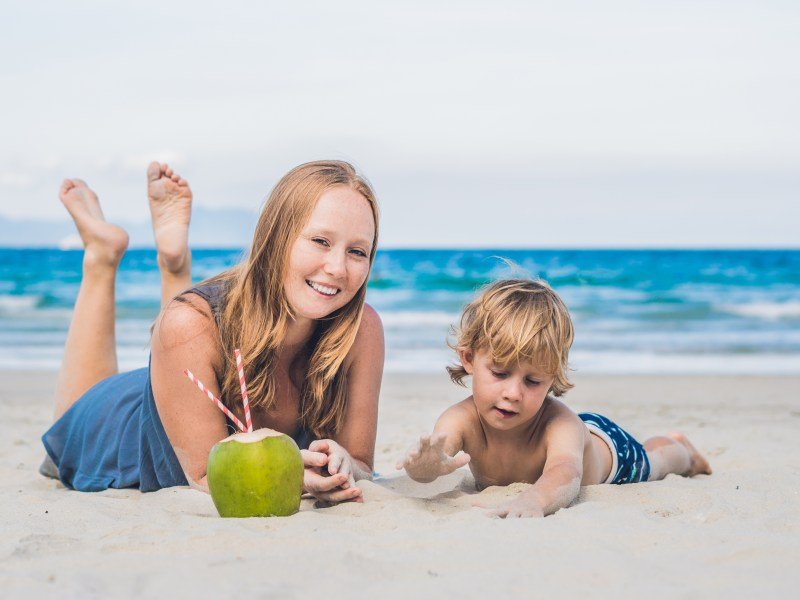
{"x": 112, "y": 437}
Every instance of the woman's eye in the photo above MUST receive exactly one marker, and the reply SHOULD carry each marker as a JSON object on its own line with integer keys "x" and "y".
{"x": 320, "y": 241}
{"x": 359, "y": 253}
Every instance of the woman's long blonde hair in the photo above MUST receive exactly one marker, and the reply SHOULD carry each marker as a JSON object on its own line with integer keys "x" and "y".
{"x": 254, "y": 313}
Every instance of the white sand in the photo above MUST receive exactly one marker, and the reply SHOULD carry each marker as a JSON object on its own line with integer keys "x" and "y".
{"x": 734, "y": 534}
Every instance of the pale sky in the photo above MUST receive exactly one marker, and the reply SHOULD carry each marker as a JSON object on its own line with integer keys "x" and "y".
{"x": 533, "y": 124}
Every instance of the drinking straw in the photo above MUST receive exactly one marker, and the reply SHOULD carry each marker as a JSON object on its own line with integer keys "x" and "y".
{"x": 245, "y": 399}
{"x": 214, "y": 399}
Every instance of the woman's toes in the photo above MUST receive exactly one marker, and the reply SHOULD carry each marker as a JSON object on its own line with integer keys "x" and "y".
{"x": 66, "y": 186}
{"x": 153, "y": 171}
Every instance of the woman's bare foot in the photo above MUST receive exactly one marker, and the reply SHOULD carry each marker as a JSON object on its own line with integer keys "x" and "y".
{"x": 104, "y": 243}
{"x": 698, "y": 464}
{"x": 171, "y": 209}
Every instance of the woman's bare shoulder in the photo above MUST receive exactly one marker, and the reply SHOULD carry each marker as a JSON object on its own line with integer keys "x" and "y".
{"x": 183, "y": 320}
{"x": 371, "y": 324}
{"x": 369, "y": 339}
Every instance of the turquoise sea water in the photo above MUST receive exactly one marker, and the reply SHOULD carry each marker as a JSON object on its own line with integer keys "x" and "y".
{"x": 635, "y": 311}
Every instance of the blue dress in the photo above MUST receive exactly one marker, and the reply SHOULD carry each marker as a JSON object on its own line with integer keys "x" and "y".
{"x": 112, "y": 437}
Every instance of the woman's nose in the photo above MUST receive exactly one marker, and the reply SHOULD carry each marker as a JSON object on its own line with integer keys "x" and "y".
{"x": 335, "y": 264}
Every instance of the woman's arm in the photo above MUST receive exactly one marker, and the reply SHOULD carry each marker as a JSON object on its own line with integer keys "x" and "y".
{"x": 353, "y": 450}
{"x": 185, "y": 338}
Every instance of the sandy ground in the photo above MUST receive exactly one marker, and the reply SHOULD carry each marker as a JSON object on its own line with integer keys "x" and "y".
{"x": 734, "y": 534}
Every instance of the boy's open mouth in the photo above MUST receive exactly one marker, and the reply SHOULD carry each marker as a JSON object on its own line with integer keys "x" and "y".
{"x": 504, "y": 413}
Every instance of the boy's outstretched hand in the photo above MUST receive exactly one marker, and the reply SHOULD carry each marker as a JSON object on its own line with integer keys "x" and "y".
{"x": 519, "y": 508}
{"x": 427, "y": 460}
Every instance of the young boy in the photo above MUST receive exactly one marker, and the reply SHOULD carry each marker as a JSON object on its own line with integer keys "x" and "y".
{"x": 514, "y": 341}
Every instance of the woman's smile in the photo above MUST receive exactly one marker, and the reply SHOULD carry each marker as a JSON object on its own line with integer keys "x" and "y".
{"x": 324, "y": 290}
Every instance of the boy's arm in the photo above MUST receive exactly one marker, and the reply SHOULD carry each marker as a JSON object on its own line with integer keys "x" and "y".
{"x": 441, "y": 452}
{"x": 560, "y": 481}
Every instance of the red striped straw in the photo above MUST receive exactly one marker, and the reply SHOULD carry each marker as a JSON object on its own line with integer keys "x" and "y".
{"x": 245, "y": 399}
{"x": 214, "y": 399}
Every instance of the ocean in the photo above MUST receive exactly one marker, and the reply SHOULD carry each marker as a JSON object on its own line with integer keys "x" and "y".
{"x": 635, "y": 311}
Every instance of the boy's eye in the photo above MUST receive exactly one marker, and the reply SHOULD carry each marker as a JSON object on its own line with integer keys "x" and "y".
{"x": 498, "y": 374}
{"x": 533, "y": 382}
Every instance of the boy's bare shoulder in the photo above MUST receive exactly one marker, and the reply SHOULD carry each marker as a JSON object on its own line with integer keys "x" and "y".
{"x": 559, "y": 416}
{"x": 460, "y": 418}
{"x": 461, "y": 412}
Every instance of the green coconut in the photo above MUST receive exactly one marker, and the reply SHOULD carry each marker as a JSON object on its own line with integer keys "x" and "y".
{"x": 258, "y": 474}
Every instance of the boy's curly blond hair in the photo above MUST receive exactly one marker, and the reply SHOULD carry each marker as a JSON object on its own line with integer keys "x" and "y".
{"x": 517, "y": 320}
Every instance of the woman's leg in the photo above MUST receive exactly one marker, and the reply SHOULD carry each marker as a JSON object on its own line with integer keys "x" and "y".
{"x": 170, "y": 208}
{"x": 90, "y": 353}
{"x": 674, "y": 453}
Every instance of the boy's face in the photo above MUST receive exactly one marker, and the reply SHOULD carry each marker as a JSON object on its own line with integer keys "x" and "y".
{"x": 506, "y": 396}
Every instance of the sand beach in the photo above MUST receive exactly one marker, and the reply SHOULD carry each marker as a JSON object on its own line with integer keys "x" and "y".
{"x": 733, "y": 534}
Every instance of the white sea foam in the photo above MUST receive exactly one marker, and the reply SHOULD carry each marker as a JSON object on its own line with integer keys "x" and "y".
{"x": 70, "y": 242}
{"x": 405, "y": 319}
{"x": 35, "y": 357}
{"x": 643, "y": 363}
{"x": 770, "y": 311}
{"x": 624, "y": 363}
{"x": 434, "y": 360}
{"x": 10, "y": 305}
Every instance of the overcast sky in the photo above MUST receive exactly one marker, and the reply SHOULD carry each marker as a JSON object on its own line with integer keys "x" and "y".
{"x": 652, "y": 123}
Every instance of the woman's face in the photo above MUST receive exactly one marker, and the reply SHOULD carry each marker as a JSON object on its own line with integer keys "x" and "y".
{"x": 329, "y": 261}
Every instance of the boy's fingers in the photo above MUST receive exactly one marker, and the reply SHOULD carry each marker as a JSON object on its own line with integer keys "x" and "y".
{"x": 437, "y": 439}
{"x": 461, "y": 458}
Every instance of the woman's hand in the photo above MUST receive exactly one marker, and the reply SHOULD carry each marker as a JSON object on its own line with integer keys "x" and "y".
{"x": 330, "y": 472}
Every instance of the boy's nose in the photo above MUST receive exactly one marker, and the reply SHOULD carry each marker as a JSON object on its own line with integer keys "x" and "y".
{"x": 512, "y": 391}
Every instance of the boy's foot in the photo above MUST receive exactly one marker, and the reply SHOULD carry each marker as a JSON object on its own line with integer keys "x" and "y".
{"x": 104, "y": 243}
{"x": 698, "y": 463}
{"x": 171, "y": 209}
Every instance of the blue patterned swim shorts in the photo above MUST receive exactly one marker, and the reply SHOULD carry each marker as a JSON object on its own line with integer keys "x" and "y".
{"x": 629, "y": 458}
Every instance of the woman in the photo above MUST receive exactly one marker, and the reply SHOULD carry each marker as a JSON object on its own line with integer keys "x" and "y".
{"x": 313, "y": 351}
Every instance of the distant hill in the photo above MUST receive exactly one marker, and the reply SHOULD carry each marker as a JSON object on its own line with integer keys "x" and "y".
{"x": 210, "y": 229}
